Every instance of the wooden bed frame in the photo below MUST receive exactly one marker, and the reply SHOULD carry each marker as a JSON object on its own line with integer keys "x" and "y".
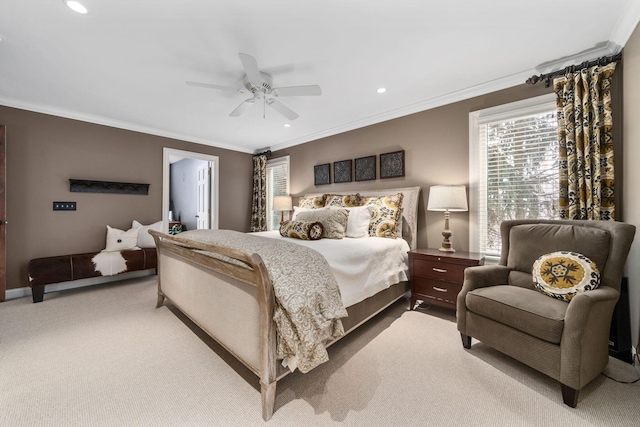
{"x": 231, "y": 297}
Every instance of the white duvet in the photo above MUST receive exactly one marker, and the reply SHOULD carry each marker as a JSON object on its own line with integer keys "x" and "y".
{"x": 363, "y": 267}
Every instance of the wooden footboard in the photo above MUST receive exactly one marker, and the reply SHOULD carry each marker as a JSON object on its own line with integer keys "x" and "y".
{"x": 231, "y": 298}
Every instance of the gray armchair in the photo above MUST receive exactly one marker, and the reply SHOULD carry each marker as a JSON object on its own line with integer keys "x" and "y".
{"x": 568, "y": 341}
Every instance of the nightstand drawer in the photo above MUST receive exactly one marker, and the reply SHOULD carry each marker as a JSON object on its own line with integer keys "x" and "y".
{"x": 438, "y": 270}
{"x": 435, "y": 289}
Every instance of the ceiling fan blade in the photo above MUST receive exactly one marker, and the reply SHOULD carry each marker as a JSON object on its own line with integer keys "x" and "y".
{"x": 210, "y": 86}
{"x": 312, "y": 90}
{"x": 250, "y": 66}
{"x": 242, "y": 107}
{"x": 282, "y": 109}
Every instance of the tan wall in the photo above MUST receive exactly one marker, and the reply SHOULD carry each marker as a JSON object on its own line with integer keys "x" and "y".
{"x": 436, "y": 144}
{"x": 631, "y": 195}
{"x": 44, "y": 152}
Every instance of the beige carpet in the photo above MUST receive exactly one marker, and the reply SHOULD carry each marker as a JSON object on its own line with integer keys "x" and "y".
{"x": 105, "y": 356}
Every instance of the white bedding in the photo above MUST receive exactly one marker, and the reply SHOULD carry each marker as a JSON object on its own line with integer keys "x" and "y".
{"x": 363, "y": 267}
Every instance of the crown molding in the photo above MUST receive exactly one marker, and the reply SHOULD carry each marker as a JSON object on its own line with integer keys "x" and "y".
{"x": 601, "y": 49}
{"x": 46, "y": 109}
{"x": 627, "y": 24}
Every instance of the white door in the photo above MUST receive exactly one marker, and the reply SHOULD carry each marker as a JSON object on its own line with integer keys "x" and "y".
{"x": 202, "y": 214}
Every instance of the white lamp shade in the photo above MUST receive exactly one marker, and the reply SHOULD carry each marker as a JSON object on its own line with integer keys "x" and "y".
{"x": 282, "y": 203}
{"x": 447, "y": 198}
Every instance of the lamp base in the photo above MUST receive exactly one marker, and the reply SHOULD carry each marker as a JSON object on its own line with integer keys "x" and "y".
{"x": 446, "y": 233}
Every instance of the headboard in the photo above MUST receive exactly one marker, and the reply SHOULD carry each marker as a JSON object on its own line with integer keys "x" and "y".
{"x": 409, "y": 208}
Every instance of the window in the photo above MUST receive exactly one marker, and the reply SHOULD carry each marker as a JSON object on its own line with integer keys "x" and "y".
{"x": 513, "y": 166}
{"x": 277, "y": 185}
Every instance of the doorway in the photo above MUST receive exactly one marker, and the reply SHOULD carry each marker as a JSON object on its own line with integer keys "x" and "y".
{"x": 201, "y": 210}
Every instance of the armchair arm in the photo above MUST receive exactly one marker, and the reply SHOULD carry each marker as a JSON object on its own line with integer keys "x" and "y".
{"x": 483, "y": 276}
{"x": 478, "y": 277}
{"x": 585, "y": 338}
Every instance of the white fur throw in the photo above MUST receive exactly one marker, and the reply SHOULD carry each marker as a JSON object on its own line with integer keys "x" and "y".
{"x": 109, "y": 263}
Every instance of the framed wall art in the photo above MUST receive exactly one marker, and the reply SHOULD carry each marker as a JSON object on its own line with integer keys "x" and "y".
{"x": 365, "y": 168}
{"x": 342, "y": 171}
{"x": 322, "y": 174}
{"x": 392, "y": 164}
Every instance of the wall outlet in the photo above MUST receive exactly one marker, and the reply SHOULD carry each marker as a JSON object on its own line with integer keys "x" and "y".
{"x": 64, "y": 206}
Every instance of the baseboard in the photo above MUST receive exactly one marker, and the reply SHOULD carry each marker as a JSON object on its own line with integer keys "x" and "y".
{"x": 63, "y": 286}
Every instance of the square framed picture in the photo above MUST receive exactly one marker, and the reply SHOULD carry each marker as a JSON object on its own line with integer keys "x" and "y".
{"x": 322, "y": 174}
{"x": 342, "y": 171}
{"x": 392, "y": 164}
{"x": 365, "y": 168}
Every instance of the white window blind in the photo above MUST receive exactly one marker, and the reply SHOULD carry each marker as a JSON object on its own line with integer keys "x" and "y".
{"x": 517, "y": 170}
{"x": 277, "y": 185}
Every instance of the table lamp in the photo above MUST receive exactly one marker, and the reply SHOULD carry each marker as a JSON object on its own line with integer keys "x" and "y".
{"x": 447, "y": 198}
{"x": 282, "y": 203}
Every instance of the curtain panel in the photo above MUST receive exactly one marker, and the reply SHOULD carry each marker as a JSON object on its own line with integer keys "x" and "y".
{"x": 585, "y": 133}
{"x": 259, "y": 203}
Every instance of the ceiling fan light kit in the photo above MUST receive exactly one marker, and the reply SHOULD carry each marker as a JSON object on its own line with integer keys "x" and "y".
{"x": 260, "y": 84}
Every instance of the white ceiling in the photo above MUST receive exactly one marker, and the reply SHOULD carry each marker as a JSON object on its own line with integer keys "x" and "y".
{"x": 125, "y": 63}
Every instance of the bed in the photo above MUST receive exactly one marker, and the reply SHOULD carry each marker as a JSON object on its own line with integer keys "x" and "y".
{"x": 228, "y": 292}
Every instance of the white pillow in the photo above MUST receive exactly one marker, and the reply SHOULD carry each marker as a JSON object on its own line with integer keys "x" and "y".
{"x": 119, "y": 240}
{"x": 298, "y": 209}
{"x": 145, "y": 240}
{"x": 358, "y": 221}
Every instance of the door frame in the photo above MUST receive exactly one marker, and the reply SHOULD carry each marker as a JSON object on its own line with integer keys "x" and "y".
{"x": 171, "y": 155}
{"x": 3, "y": 213}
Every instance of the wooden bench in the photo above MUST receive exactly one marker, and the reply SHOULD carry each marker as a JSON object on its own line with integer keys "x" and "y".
{"x": 66, "y": 268}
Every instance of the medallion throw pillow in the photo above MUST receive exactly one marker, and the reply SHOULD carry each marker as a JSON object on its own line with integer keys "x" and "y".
{"x": 564, "y": 274}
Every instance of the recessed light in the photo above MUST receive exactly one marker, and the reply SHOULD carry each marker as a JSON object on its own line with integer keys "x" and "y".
{"x": 287, "y": 125}
{"x": 381, "y": 90}
{"x": 75, "y": 6}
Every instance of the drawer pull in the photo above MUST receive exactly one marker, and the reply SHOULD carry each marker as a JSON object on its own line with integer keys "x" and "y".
{"x": 439, "y": 270}
{"x": 439, "y": 289}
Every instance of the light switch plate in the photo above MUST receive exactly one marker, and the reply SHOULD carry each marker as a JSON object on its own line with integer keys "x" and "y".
{"x": 64, "y": 206}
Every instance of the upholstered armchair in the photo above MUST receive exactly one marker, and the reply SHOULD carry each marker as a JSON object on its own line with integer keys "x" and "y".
{"x": 568, "y": 341}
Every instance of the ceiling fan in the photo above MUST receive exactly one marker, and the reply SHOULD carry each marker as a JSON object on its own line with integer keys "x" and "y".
{"x": 260, "y": 84}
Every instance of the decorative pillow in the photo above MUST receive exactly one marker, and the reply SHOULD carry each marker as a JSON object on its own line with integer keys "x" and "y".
{"x": 119, "y": 240}
{"x": 145, "y": 240}
{"x": 175, "y": 229}
{"x": 334, "y": 221}
{"x": 385, "y": 216}
{"x": 302, "y": 230}
{"x": 312, "y": 202}
{"x": 563, "y": 274}
{"x": 358, "y": 221}
{"x": 344, "y": 201}
{"x": 297, "y": 210}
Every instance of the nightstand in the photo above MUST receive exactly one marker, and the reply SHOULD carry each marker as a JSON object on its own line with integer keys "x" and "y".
{"x": 436, "y": 277}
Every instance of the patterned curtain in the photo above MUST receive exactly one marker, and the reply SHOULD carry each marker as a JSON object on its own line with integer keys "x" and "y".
{"x": 585, "y": 133}
{"x": 259, "y": 204}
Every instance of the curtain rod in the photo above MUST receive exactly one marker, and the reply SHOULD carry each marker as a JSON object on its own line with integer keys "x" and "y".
{"x": 266, "y": 153}
{"x": 571, "y": 68}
